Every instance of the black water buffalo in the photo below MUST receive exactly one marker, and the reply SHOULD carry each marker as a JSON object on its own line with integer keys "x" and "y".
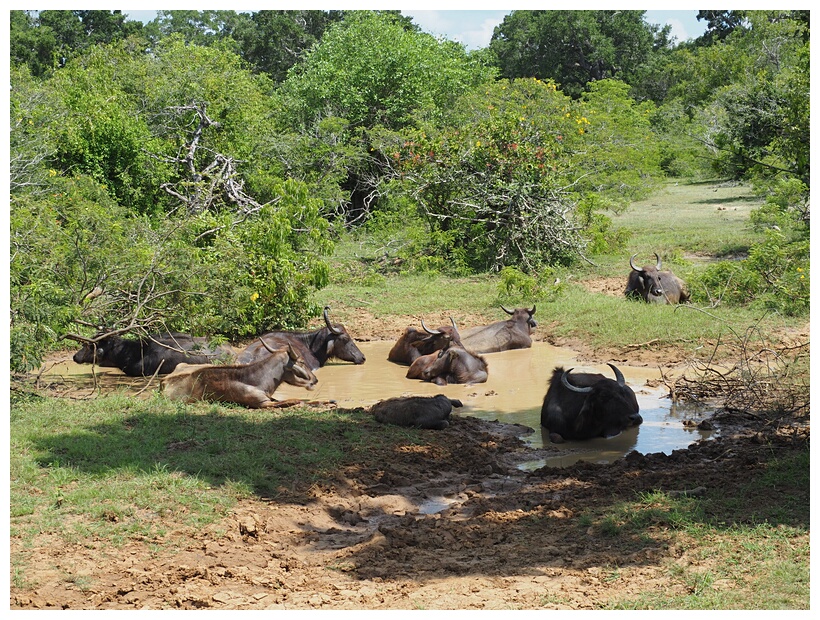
{"x": 451, "y": 365}
{"x": 316, "y": 346}
{"x": 158, "y": 353}
{"x": 414, "y": 343}
{"x": 416, "y": 411}
{"x": 251, "y": 384}
{"x": 653, "y": 285}
{"x": 513, "y": 333}
{"x": 587, "y": 405}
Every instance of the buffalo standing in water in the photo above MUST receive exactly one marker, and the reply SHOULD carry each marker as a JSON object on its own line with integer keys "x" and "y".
{"x": 586, "y": 405}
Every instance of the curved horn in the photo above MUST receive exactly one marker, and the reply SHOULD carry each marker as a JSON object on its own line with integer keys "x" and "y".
{"x": 265, "y": 344}
{"x": 619, "y": 377}
{"x": 434, "y": 332}
{"x": 657, "y": 261}
{"x": 574, "y": 388}
{"x": 327, "y": 321}
{"x": 532, "y": 311}
{"x": 453, "y": 323}
{"x": 632, "y": 264}
{"x": 507, "y": 311}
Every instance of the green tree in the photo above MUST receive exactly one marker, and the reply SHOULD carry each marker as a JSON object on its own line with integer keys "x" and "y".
{"x": 48, "y": 39}
{"x": 372, "y": 70}
{"x": 572, "y": 47}
{"x": 101, "y": 230}
{"x": 519, "y": 173}
{"x": 274, "y": 41}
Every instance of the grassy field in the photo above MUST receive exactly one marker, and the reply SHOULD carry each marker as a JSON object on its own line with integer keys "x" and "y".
{"x": 105, "y": 469}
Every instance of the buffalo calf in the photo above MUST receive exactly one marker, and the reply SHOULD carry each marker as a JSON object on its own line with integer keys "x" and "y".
{"x": 416, "y": 411}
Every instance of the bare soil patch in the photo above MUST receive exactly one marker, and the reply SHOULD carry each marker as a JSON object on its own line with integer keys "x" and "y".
{"x": 450, "y": 524}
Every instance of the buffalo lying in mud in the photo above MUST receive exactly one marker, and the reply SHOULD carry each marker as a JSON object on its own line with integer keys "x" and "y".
{"x": 149, "y": 355}
{"x": 417, "y": 411}
{"x": 413, "y": 343}
{"x": 587, "y": 405}
{"x": 513, "y": 333}
{"x": 654, "y": 286}
{"x": 316, "y": 346}
{"x": 251, "y": 384}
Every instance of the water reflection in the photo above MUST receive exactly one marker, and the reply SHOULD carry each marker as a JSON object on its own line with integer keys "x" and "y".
{"x": 512, "y": 394}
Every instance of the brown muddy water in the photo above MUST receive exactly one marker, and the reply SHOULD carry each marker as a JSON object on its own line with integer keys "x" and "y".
{"x": 513, "y": 394}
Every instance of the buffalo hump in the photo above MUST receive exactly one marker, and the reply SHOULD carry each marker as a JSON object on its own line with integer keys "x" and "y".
{"x": 416, "y": 411}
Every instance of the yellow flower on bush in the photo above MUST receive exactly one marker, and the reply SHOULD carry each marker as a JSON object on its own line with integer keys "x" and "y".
{"x": 255, "y": 296}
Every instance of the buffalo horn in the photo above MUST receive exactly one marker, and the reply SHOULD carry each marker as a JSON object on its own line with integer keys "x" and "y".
{"x": 434, "y": 332}
{"x": 265, "y": 344}
{"x": 507, "y": 311}
{"x": 632, "y": 264}
{"x": 533, "y": 310}
{"x": 574, "y": 388}
{"x": 327, "y": 321}
{"x": 657, "y": 261}
{"x": 619, "y": 377}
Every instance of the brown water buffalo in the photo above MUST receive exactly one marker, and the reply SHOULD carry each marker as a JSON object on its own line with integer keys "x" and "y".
{"x": 451, "y": 365}
{"x": 587, "y": 405}
{"x": 316, "y": 346}
{"x": 513, "y": 333}
{"x": 414, "y": 343}
{"x": 416, "y": 411}
{"x": 251, "y": 385}
{"x": 157, "y": 353}
{"x": 653, "y": 285}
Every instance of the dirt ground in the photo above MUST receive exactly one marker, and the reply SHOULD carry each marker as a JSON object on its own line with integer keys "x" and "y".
{"x": 451, "y": 524}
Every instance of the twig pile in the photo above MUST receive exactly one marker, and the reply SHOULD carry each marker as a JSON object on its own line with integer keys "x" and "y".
{"x": 763, "y": 379}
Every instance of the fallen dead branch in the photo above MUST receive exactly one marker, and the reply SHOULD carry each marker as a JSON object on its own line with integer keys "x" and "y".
{"x": 760, "y": 378}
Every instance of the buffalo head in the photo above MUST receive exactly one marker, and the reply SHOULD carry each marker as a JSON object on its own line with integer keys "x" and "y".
{"x": 653, "y": 285}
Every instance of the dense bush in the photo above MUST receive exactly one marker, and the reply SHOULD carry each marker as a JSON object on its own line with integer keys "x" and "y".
{"x": 520, "y": 174}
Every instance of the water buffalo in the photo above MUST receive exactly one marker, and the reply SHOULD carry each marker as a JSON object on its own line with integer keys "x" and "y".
{"x": 587, "y": 405}
{"x": 416, "y": 411}
{"x": 513, "y": 333}
{"x": 451, "y": 365}
{"x": 158, "y": 353}
{"x": 251, "y": 384}
{"x": 316, "y": 346}
{"x": 414, "y": 343}
{"x": 655, "y": 286}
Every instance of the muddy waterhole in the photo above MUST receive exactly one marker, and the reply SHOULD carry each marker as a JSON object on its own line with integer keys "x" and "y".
{"x": 513, "y": 394}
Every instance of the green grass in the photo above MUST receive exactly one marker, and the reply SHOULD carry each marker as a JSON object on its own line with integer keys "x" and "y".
{"x": 108, "y": 467}
{"x": 732, "y": 558}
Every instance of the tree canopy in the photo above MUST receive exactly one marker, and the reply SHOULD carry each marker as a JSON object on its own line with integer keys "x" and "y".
{"x": 194, "y": 173}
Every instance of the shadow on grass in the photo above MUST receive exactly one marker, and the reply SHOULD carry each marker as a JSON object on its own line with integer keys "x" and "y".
{"x": 270, "y": 456}
{"x": 509, "y": 522}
